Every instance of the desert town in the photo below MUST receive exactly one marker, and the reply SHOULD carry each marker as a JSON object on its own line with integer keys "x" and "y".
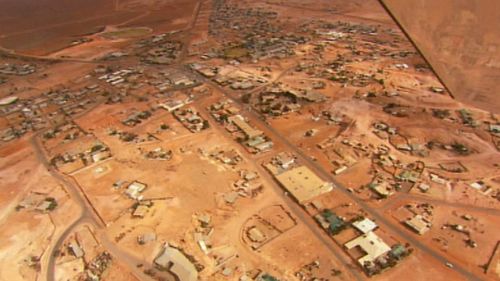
{"x": 243, "y": 140}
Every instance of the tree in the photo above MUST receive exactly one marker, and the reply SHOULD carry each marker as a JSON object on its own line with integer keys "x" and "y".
{"x": 97, "y": 147}
{"x": 206, "y": 125}
{"x": 246, "y": 98}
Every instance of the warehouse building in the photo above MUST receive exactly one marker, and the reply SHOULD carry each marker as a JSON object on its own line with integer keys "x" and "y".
{"x": 303, "y": 184}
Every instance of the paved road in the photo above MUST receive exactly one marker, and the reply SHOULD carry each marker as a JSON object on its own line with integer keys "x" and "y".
{"x": 302, "y": 215}
{"x": 380, "y": 218}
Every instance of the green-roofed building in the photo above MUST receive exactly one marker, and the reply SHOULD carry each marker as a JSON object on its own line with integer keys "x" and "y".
{"x": 335, "y": 223}
{"x": 398, "y": 251}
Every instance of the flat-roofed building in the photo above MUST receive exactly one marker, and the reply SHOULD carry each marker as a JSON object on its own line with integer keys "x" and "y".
{"x": 240, "y": 122}
{"x": 372, "y": 245}
{"x": 365, "y": 225}
{"x": 418, "y": 224}
{"x": 140, "y": 211}
{"x": 76, "y": 250}
{"x": 134, "y": 190}
{"x": 8, "y": 100}
{"x": 381, "y": 189}
{"x": 330, "y": 221}
{"x": 177, "y": 263}
{"x": 303, "y": 184}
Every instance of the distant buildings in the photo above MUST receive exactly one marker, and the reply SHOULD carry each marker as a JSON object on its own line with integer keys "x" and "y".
{"x": 15, "y": 69}
{"x": 71, "y": 162}
{"x": 254, "y": 140}
{"x": 191, "y": 119}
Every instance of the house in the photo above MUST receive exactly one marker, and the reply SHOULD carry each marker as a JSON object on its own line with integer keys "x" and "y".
{"x": 243, "y": 85}
{"x": 371, "y": 245}
{"x": 140, "y": 211}
{"x": 146, "y": 238}
{"x": 249, "y": 175}
{"x": 477, "y": 185}
{"x": 340, "y": 170}
{"x": 8, "y": 100}
{"x": 285, "y": 160}
{"x": 256, "y": 141}
{"x": 76, "y": 250}
{"x": 381, "y": 189}
{"x": 418, "y": 224}
{"x": 424, "y": 187}
{"x": 231, "y": 157}
{"x": 173, "y": 105}
{"x": 230, "y": 197}
{"x": 409, "y": 176}
{"x": 438, "y": 90}
{"x": 329, "y": 220}
{"x": 311, "y": 96}
{"x": 495, "y": 129}
{"x": 203, "y": 246}
{"x": 208, "y": 72}
{"x": 437, "y": 179}
{"x": 180, "y": 79}
{"x": 265, "y": 146}
{"x": 240, "y": 122}
{"x": 256, "y": 235}
{"x": 134, "y": 189}
{"x": 173, "y": 260}
{"x": 398, "y": 251}
{"x": 365, "y": 225}
{"x": 46, "y": 205}
{"x": 101, "y": 155}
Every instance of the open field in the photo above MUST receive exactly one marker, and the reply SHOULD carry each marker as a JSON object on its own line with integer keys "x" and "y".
{"x": 55, "y": 25}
